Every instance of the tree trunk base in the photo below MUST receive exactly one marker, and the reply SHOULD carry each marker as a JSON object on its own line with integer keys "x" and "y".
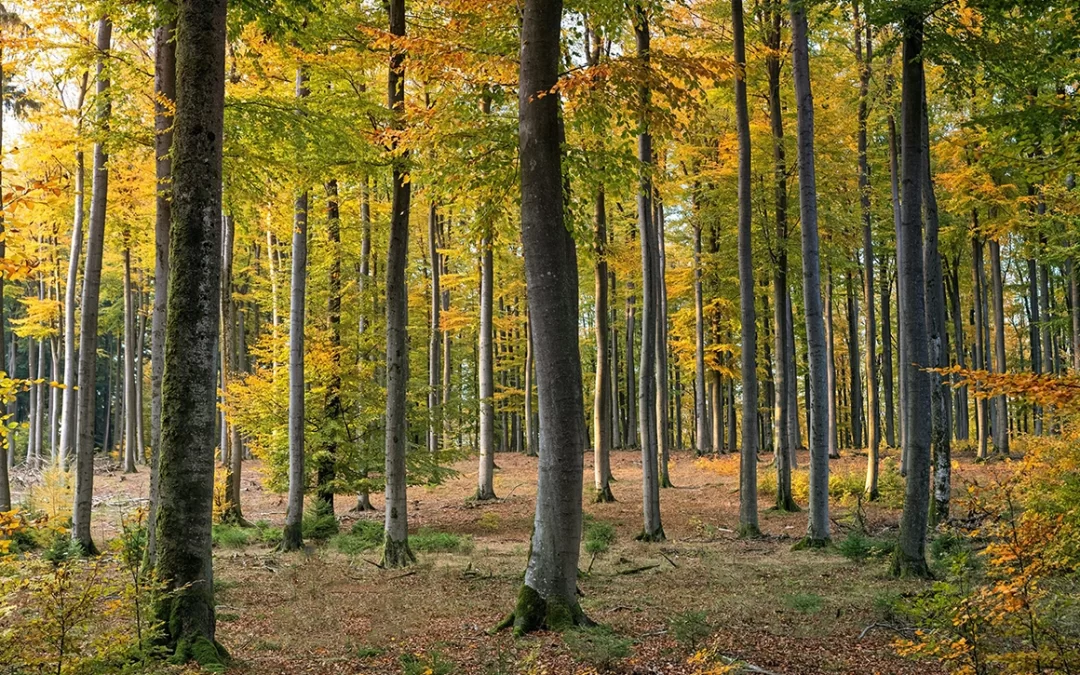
{"x": 533, "y": 613}
{"x": 809, "y": 543}
{"x": 749, "y": 532}
{"x": 485, "y": 495}
{"x": 904, "y": 567}
{"x": 292, "y": 538}
{"x": 209, "y": 654}
{"x": 652, "y": 537}
{"x": 363, "y": 503}
{"x": 665, "y": 482}
{"x": 397, "y": 554}
{"x": 786, "y": 504}
{"x": 604, "y": 495}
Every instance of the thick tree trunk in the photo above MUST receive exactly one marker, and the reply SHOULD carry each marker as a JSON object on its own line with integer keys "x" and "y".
{"x": 189, "y": 389}
{"x": 485, "y": 486}
{"x": 396, "y": 551}
{"x": 548, "y": 597}
{"x": 602, "y": 388}
{"x": 653, "y": 529}
{"x": 164, "y": 90}
{"x": 818, "y": 531}
{"x": 748, "y": 507}
{"x": 910, "y": 556}
{"x": 292, "y": 534}
{"x": 88, "y": 338}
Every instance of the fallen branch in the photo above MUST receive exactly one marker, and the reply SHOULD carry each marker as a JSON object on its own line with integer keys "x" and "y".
{"x": 639, "y": 569}
{"x": 403, "y": 575}
{"x": 669, "y": 559}
{"x": 372, "y": 562}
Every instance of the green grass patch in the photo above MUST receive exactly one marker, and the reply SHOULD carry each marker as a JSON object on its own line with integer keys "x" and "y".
{"x": 426, "y": 664}
{"x": 597, "y": 646}
{"x": 859, "y": 547}
{"x": 319, "y": 526}
{"x": 432, "y": 541}
{"x": 806, "y": 603}
{"x": 231, "y": 536}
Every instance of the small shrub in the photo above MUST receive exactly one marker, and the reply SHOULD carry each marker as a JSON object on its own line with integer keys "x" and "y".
{"x": 859, "y": 547}
{"x": 433, "y": 541}
{"x": 766, "y": 483}
{"x": 599, "y": 536}
{"x": 365, "y": 652}
{"x": 806, "y": 603}
{"x": 690, "y": 628}
{"x": 599, "y": 646}
{"x": 365, "y": 535}
{"x": 430, "y": 664}
{"x": 267, "y": 534}
{"x": 489, "y": 521}
{"x": 230, "y": 536}
{"x": 319, "y": 526}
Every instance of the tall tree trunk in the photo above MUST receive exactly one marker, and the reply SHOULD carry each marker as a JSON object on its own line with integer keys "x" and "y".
{"x": 653, "y": 529}
{"x": 982, "y": 362}
{"x": 818, "y": 531}
{"x": 7, "y": 448}
{"x": 1001, "y": 407}
{"x": 88, "y": 337}
{"x": 936, "y": 331}
{"x": 887, "y": 354}
{"x": 894, "y": 188}
{"x": 1034, "y": 324}
{"x": 435, "y": 334}
{"x": 292, "y": 534}
{"x": 532, "y": 431}
{"x": 485, "y": 487}
{"x": 602, "y": 388}
{"x": 130, "y": 410}
{"x": 548, "y": 597}
{"x": 873, "y": 431}
{"x": 230, "y": 367}
{"x": 663, "y": 386}
{"x": 748, "y": 507}
{"x": 830, "y": 369}
{"x": 396, "y": 551}
{"x": 184, "y": 559}
{"x": 447, "y": 342}
{"x": 856, "y": 399}
{"x": 164, "y": 91}
{"x": 702, "y": 436}
{"x": 953, "y": 288}
{"x": 327, "y": 463}
{"x": 631, "y": 425}
{"x": 910, "y": 556}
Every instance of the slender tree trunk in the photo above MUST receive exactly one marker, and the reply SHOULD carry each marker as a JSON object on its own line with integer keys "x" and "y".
{"x": 548, "y": 597}
{"x": 653, "y": 529}
{"x": 663, "y": 386}
{"x": 485, "y": 487}
{"x": 164, "y": 90}
{"x": 830, "y": 369}
{"x": 435, "y": 335}
{"x": 962, "y": 424}
{"x": 230, "y": 367}
{"x": 184, "y": 559}
{"x": 1001, "y": 408}
{"x": 887, "y": 354}
{"x": 856, "y": 399}
{"x": 84, "y": 469}
{"x": 702, "y": 436}
{"x": 1036, "y": 335}
{"x": 447, "y": 352}
{"x": 894, "y": 187}
{"x": 292, "y": 534}
{"x": 748, "y": 507}
{"x": 818, "y": 531}
{"x": 910, "y": 556}
{"x": 978, "y": 282}
{"x": 7, "y": 448}
{"x": 631, "y": 425}
{"x": 396, "y": 551}
{"x": 602, "y": 388}
{"x": 130, "y": 410}
{"x": 327, "y": 463}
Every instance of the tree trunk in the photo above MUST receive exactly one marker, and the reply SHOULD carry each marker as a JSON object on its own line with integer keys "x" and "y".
{"x": 84, "y": 469}
{"x": 953, "y": 289}
{"x": 548, "y": 597}
{"x": 435, "y": 334}
{"x": 231, "y": 511}
{"x": 887, "y": 355}
{"x": 327, "y": 463}
{"x": 910, "y": 556}
{"x": 663, "y": 387}
{"x": 189, "y": 389}
{"x": 818, "y": 531}
{"x": 532, "y": 431}
{"x": 1001, "y": 408}
{"x": 602, "y": 388}
{"x": 653, "y": 529}
{"x": 396, "y": 551}
{"x": 748, "y": 507}
{"x": 830, "y": 369}
{"x": 894, "y": 187}
{"x": 485, "y": 486}
{"x": 701, "y": 417}
{"x": 1036, "y": 334}
{"x": 856, "y": 398}
{"x": 130, "y": 410}
{"x": 292, "y": 534}
{"x": 978, "y": 283}
{"x": 164, "y": 90}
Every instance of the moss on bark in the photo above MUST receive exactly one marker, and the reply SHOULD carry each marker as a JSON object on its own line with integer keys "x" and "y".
{"x": 397, "y": 554}
{"x": 604, "y": 496}
{"x": 906, "y": 567}
{"x": 808, "y": 543}
{"x": 652, "y": 537}
{"x": 532, "y": 613}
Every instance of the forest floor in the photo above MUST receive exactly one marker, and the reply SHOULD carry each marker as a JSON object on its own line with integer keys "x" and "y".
{"x": 786, "y": 612}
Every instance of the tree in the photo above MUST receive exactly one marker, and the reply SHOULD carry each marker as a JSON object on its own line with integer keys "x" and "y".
{"x": 396, "y": 551}
{"x": 748, "y": 512}
{"x": 548, "y": 596}
{"x": 292, "y": 535}
{"x": 910, "y": 556}
{"x": 485, "y": 477}
{"x": 602, "y": 422}
{"x": 818, "y": 531}
{"x": 186, "y": 463}
{"x": 84, "y": 468}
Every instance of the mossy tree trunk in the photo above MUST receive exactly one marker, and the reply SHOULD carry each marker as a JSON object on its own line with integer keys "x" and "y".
{"x": 548, "y": 597}
{"x": 189, "y": 387}
{"x": 88, "y": 328}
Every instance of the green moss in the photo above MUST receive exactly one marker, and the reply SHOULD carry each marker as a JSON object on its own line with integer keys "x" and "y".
{"x": 811, "y": 544}
{"x": 652, "y": 537}
{"x": 747, "y": 531}
{"x": 905, "y": 567}
{"x": 533, "y": 613}
{"x": 604, "y": 496}
{"x": 202, "y": 650}
{"x": 397, "y": 554}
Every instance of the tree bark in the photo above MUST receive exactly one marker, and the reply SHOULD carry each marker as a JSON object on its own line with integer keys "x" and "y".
{"x": 186, "y": 467}
{"x": 396, "y": 551}
{"x": 982, "y": 362}
{"x": 292, "y": 534}
{"x": 130, "y": 410}
{"x": 326, "y": 466}
{"x": 748, "y": 507}
{"x": 602, "y": 389}
{"x": 485, "y": 487}
{"x": 702, "y": 437}
{"x": 1001, "y": 407}
{"x": 88, "y": 338}
{"x": 435, "y": 334}
{"x": 663, "y": 387}
{"x": 830, "y": 369}
{"x": 231, "y": 511}
{"x": 548, "y": 597}
{"x": 910, "y": 556}
{"x": 818, "y": 530}
{"x": 887, "y": 355}
{"x": 164, "y": 90}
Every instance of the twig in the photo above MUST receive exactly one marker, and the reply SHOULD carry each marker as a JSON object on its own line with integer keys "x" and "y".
{"x": 403, "y": 575}
{"x": 639, "y": 569}
{"x": 372, "y": 562}
{"x": 669, "y": 559}
{"x": 512, "y": 490}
